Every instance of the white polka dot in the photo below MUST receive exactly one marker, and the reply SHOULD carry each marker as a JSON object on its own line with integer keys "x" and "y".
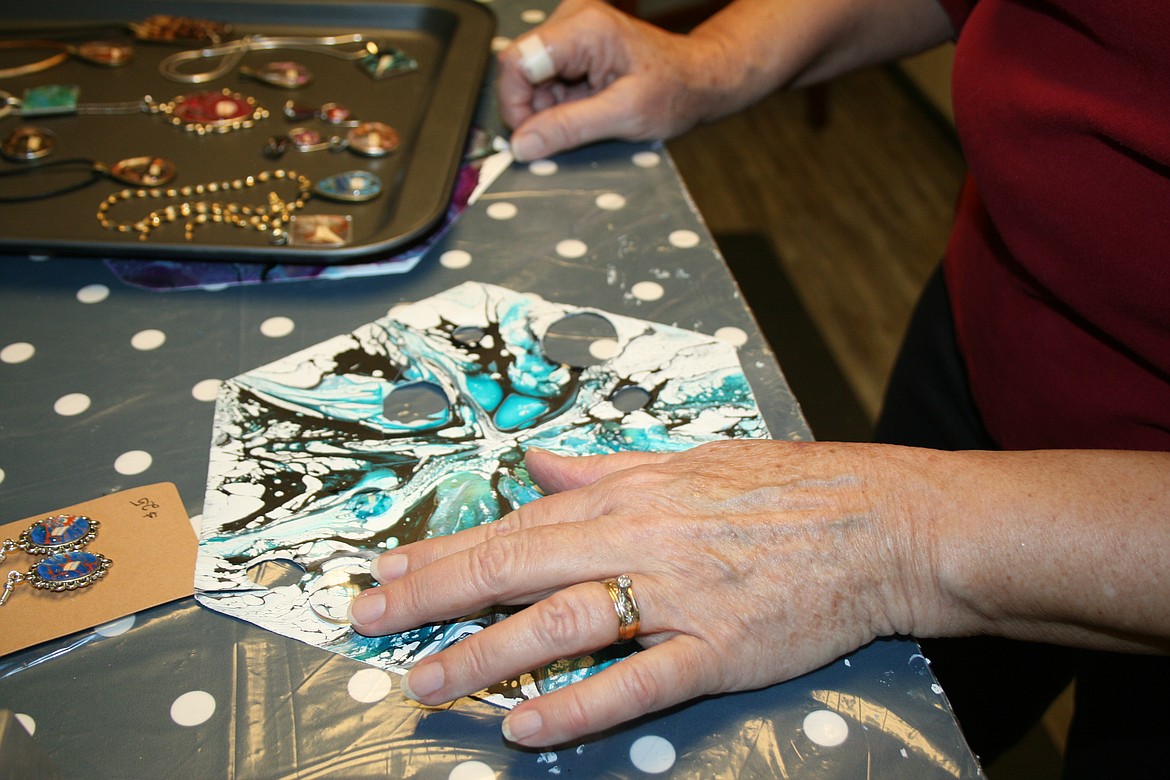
{"x": 542, "y": 167}
{"x": 646, "y": 159}
{"x": 115, "y": 627}
{"x": 647, "y": 291}
{"x": 571, "y": 248}
{"x": 133, "y": 462}
{"x": 455, "y": 259}
{"x": 71, "y": 404}
{"x": 501, "y": 210}
{"x": 736, "y": 337}
{"x": 17, "y": 352}
{"x": 369, "y": 685}
{"x": 610, "y": 201}
{"x": 1, "y": 475}
{"x": 148, "y": 339}
{"x": 499, "y": 43}
{"x": 533, "y": 16}
{"x": 683, "y": 239}
{"x": 472, "y": 770}
{"x": 193, "y": 708}
{"x": 936, "y": 688}
{"x": 825, "y": 728}
{"x": 603, "y": 349}
{"x": 277, "y": 327}
{"x": 652, "y": 755}
{"x": 207, "y": 390}
{"x": 93, "y": 293}
{"x": 27, "y": 721}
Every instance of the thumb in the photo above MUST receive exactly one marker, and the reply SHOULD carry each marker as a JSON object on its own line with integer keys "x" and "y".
{"x": 557, "y": 473}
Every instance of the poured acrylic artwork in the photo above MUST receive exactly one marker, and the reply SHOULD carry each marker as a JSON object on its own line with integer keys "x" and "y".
{"x": 414, "y": 426}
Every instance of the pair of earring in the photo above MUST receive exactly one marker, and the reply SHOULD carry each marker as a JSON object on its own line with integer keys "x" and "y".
{"x": 67, "y": 566}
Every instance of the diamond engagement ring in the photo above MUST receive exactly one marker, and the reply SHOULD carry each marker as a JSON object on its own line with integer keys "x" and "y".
{"x": 621, "y": 590}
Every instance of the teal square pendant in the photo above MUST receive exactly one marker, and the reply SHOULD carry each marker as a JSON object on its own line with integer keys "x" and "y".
{"x": 50, "y": 99}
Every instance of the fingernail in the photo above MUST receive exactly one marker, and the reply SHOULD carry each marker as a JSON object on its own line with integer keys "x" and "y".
{"x": 422, "y": 681}
{"x": 522, "y": 724}
{"x": 366, "y": 608}
{"x": 387, "y": 568}
{"x": 527, "y": 146}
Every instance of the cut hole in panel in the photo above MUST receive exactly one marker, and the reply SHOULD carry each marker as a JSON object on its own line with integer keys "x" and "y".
{"x": 276, "y": 574}
{"x": 414, "y": 402}
{"x": 572, "y": 340}
{"x": 630, "y": 398}
{"x": 343, "y": 579}
{"x": 468, "y": 335}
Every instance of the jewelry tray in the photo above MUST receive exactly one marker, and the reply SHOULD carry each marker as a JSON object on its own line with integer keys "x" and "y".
{"x": 431, "y": 108}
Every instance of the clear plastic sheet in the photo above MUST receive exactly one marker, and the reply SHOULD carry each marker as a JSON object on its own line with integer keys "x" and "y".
{"x": 182, "y": 691}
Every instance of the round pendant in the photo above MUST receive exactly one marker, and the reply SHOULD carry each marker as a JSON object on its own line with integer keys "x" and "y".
{"x": 351, "y": 186}
{"x": 58, "y": 533}
{"x": 304, "y": 138}
{"x": 106, "y": 53}
{"x": 29, "y": 143}
{"x": 288, "y": 74}
{"x": 334, "y": 113}
{"x": 373, "y": 139}
{"x": 69, "y": 570}
{"x": 143, "y": 171}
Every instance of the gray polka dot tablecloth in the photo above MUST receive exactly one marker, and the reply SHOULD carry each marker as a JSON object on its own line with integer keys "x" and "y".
{"x": 107, "y": 386}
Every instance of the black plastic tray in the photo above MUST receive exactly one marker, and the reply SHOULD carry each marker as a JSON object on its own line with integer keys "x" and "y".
{"x": 431, "y": 108}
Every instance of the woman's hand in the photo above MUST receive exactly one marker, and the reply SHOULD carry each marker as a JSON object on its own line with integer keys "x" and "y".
{"x": 752, "y": 562}
{"x": 614, "y": 77}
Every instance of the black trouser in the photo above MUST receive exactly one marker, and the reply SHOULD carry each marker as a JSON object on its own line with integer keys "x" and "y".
{"x": 999, "y": 688}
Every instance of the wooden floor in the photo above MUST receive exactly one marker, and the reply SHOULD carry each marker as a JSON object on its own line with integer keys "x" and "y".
{"x": 857, "y": 211}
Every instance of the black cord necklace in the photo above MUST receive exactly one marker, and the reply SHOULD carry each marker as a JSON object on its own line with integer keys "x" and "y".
{"x": 136, "y": 171}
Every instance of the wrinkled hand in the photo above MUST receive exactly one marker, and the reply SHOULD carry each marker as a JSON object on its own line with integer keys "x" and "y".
{"x": 616, "y": 77}
{"x": 752, "y": 562}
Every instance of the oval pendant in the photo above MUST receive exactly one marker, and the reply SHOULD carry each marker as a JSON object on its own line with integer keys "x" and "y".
{"x": 373, "y": 139}
{"x": 287, "y": 74}
{"x": 29, "y": 143}
{"x": 59, "y": 533}
{"x": 143, "y": 171}
{"x": 351, "y": 186}
{"x": 108, "y": 53}
{"x": 219, "y": 112}
{"x": 69, "y": 570}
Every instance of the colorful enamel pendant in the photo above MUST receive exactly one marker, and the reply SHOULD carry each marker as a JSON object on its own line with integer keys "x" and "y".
{"x": 351, "y": 186}
{"x": 333, "y": 113}
{"x": 288, "y": 75}
{"x": 55, "y": 534}
{"x": 61, "y": 572}
{"x": 373, "y": 139}
{"x": 143, "y": 171}
{"x": 369, "y": 139}
{"x": 29, "y": 143}
{"x": 111, "y": 54}
{"x": 212, "y": 112}
{"x": 382, "y": 63}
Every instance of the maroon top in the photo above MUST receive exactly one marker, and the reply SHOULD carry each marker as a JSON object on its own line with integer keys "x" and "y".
{"x": 1059, "y": 262}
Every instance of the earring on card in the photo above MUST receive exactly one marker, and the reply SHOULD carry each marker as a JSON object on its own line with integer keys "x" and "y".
{"x": 64, "y": 571}
{"x": 51, "y": 535}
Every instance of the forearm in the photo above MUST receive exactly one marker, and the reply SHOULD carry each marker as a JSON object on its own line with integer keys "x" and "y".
{"x": 760, "y": 45}
{"x": 1071, "y": 547}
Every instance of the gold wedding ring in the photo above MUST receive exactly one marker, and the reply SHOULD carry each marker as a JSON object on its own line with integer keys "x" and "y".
{"x": 621, "y": 590}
